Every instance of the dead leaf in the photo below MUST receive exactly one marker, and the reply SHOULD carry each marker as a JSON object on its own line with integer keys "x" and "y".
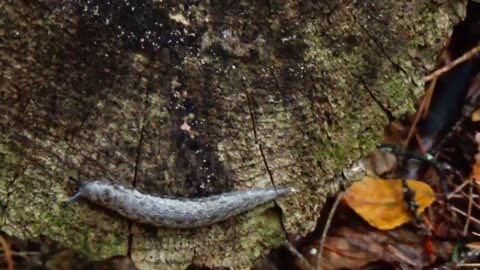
{"x": 476, "y": 115}
{"x": 353, "y": 245}
{"x": 380, "y": 202}
{"x": 473, "y": 245}
{"x": 476, "y": 168}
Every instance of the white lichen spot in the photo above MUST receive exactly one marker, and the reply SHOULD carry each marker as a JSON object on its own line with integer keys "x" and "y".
{"x": 227, "y": 33}
{"x": 186, "y": 127}
{"x": 179, "y": 18}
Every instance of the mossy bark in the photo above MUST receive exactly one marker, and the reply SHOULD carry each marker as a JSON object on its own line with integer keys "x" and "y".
{"x": 187, "y": 98}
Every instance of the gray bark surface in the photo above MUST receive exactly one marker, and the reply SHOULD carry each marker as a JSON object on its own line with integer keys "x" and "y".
{"x": 191, "y": 98}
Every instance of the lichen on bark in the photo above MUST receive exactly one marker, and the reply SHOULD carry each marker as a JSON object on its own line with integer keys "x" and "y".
{"x": 191, "y": 99}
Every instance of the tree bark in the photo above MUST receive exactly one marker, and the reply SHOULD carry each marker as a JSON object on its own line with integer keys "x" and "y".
{"x": 191, "y": 98}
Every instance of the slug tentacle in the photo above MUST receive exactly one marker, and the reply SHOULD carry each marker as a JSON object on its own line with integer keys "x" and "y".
{"x": 78, "y": 191}
{"x": 175, "y": 212}
{"x": 73, "y": 199}
{"x": 78, "y": 183}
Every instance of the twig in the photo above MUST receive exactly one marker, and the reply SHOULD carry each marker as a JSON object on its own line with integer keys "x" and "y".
{"x": 466, "y": 56}
{"x": 459, "y": 193}
{"x": 299, "y": 256}
{"x": 8, "y": 253}
{"x": 429, "y": 92}
{"x": 457, "y": 189}
{"x": 465, "y": 215}
{"x": 423, "y": 108}
{"x": 461, "y": 196}
{"x": 468, "y": 265}
{"x": 327, "y": 226}
{"x": 469, "y": 210}
{"x": 23, "y": 254}
{"x": 399, "y": 254}
{"x": 427, "y": 222}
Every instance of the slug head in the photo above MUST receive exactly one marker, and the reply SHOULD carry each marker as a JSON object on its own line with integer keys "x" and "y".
{"x": 78, "y": 191}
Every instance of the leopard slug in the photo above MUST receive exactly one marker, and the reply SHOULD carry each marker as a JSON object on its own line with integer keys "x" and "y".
{"x": 181, "y": 213}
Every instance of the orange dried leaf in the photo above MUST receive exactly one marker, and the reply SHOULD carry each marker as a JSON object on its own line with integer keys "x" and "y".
{"x": 476, "y": 115}
{"x": 476, "y": 170}
{"x": 380, "y": 202}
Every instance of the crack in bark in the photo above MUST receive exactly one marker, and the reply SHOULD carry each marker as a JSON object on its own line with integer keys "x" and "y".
{"x": 257, "y": 142}
{"x": 385, "y": 110}
{"x": 328, "y": 114}
{"x": 383, "y": 52}
{"x": 134, "y": 182}
{"x": 379, "y": 46}
{"x": 144, "y": 126}
{"x": 9, "y": 193}
{"x": 269, "y": 7}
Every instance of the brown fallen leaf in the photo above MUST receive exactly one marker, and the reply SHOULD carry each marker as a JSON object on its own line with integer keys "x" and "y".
{"x": 380, "y": 202}
{"x": 354, "y": 245}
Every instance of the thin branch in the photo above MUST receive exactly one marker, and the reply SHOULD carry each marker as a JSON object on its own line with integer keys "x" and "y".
{"x": 457, "y": 190}
{"x": 327, "y": 226}
{"x": 465, "y": 215}
{"x": 469, "y": 211}
{"x": 299, "y": 256}
{"x": 466, "y": 56}
{"x": 8, "y": 253}
{"x": 422, "y": 110}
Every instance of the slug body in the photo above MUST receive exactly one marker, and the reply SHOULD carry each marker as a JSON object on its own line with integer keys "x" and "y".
{"x": 175, "y": 212}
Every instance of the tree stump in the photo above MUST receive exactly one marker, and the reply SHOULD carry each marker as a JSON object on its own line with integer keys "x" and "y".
{"x": 193, "y": 98}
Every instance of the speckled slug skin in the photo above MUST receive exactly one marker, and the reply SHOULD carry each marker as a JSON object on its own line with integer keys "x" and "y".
{"x": 175, "y": 212}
